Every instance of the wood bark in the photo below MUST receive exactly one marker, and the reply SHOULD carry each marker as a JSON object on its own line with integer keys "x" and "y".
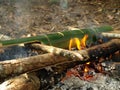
{"x": 22, "y": 82}
{"x": 28, "y": 64}
{"x": 102, "y": 50}
{"x": 57, "y": 56}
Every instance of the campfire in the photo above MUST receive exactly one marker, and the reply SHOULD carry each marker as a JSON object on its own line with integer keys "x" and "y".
{"x": 82, "y": 66}
{"x": 88, "y": 70}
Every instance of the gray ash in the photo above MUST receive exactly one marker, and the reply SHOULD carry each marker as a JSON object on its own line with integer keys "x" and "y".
{"x": 103, "y": 82}
{"x": 108, "y": 79}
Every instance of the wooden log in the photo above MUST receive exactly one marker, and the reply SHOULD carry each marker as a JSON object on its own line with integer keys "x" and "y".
{"x": 28, "y": 64}
{"x": 57, "y": 56}
{"x": 23, "y": 82}
{"x": 102, "y": 50}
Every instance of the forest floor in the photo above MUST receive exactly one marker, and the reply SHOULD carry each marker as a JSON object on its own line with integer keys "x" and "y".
{"x": 23, "y": 17}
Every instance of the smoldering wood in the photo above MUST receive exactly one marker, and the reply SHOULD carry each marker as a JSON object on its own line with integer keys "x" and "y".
{"x": 57, "y": 56}
{"x": 27, "y": 81}
{"x": 102, "y": 50}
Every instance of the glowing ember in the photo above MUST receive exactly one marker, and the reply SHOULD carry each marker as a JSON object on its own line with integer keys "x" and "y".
{"x": 86, "y": 69}
{"x": 88, "y": 63}
{"x": 77, "y": 43}
{"x": 84, "y": 72}
{"x": 71, "y": 72}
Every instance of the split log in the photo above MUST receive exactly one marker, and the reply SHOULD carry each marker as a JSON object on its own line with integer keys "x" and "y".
{"x": 57, "y": 56}
{"x": 22, "y": 82}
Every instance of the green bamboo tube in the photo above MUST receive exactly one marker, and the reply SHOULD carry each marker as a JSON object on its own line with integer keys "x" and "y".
{"x": 58, "y": 39}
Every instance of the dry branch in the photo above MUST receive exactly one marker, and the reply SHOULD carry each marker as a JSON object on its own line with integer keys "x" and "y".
{"x": 57, "y": 56}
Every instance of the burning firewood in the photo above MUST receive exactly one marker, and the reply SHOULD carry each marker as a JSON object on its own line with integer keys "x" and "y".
{"x": 55, "y": 57}
{"x": 29, "y": 64}
{"x": 92, "y": 53}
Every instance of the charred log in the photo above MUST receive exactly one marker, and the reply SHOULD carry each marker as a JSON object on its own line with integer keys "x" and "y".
{"x": 102, "y": 50}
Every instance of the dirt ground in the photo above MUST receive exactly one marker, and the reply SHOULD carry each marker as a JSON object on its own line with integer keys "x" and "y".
{"x": 22, "y": 17}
